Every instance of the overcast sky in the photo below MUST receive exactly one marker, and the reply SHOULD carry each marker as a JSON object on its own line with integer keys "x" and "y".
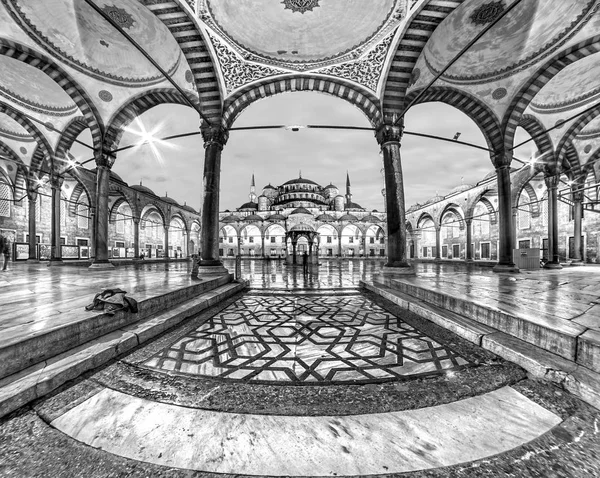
{"x": 275, "y": 156}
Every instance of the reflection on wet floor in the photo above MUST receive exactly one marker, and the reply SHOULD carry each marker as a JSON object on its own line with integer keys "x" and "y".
{"x": 328, "y": 274}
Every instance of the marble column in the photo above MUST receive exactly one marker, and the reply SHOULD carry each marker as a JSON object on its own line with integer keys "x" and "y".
{"x": 438, "y": 243}
{"x": 294, "y": 252}
{"x": 505, "y": 263}
{"x": 577, "y": 216}
{"x": 56, "y": 253}
{"x": 32, "y": 197}
{"x": 136, "y": 237}
{"x": 215, "y": 137}
{"x": 262, "y": 243}
{"x": 103, "y": 164}
{"x": 552, "y": 182}
{"x": 339, "y": 244}
{"x": 469, "y": 224}
{"x": 389, "y": 136}
{"x": 166, "y": 241}
{"x": 239, "y": 246}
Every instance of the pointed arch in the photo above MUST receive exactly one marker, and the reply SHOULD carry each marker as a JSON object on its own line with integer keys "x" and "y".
{"x": 355, "y": 95}
{"x": 456, "y": 211}
{"x": 77, "y": 93}
{"x": 470, "y": 105}
{"x": 534, "y": 127}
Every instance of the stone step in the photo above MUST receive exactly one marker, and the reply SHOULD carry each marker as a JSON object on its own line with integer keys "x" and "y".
{"x": 24, "y": 345}
{"x": 556, "y": 335}
{"x": 36, "y": 381}
{"x": 539, "y": 363}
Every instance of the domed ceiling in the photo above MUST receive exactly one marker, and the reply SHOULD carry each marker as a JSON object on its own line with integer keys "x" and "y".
{"x": 298, "y": 33}
{"x": 531, "y": 31}
{"x": 27, "y": 87}
{"x": 73, "y": 32}
{"x": 575, "y": 86}
{"x": 10, "y": 127}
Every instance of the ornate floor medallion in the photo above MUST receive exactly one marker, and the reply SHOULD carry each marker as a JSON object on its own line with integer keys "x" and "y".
{"x": 311, "y": 339}
{"x": 301, "y": 6}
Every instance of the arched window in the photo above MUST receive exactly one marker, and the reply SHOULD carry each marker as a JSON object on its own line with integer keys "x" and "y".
{"x": 120, "y": 223}
{"x": 63, "y": 211}
{"x": 5, "y": 198}
{"x": 83, "y": 221}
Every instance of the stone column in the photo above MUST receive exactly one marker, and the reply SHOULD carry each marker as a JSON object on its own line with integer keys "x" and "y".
{"x": 469, "y": 224}
{"x": 438, "y": 243}
{"x": 215, "y": 137}
{"x": 136, "y": 237}
{"x": 577, "y": 191}
{"x": 262, "y": 241}
{"x": 56, "y": 253}
{"x": 166, "y": 241}
{"x": 239, "y": 245}
{"x": 389, "y": 136}
{"x": 32, "y": 200}
{"x": 294, "y": 252}
{"x": 505, "y": 263}
{"x": 103, "y": 165}
{"x": 552, "y": 185}
{"x": 339, "y": 244}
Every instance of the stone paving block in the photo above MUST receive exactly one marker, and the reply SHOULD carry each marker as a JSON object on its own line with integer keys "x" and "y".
{"x": 539, "y": 363}
{"x": 585, "y": 384}
{"x": 588, "y": 350}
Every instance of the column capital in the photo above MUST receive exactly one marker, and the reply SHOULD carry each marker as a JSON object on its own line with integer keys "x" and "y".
{"x": 390, "y": 133}
{"x": 56, "y": 182}
{"x": 106, "y": 158}
{"x": 212, "y": 134}
{"x": 552, "y": 182}
{"x": 501, "y": 159}
{"x": 32, "y": 195}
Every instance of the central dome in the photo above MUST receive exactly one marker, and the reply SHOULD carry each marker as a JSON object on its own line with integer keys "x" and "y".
{"x": 300, "y": 31}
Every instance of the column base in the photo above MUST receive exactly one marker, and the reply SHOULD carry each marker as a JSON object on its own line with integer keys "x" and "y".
{"x": 101, "y": 265}
{"x": 33, "y": 261}
{"x": 55, "y": 262}
{"x": 505, "y": 268}
{"x": 577, "y": 263}
{"x": 211, "y": 270}
{"x": 552, "y": 265}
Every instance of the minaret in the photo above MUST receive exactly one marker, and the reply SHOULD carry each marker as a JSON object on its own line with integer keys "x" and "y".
{"x": 348, "y": 193}
{"x": 252, "y": 194}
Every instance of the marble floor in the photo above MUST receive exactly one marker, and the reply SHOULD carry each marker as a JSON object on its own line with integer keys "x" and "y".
{"x": 321, "y": 338}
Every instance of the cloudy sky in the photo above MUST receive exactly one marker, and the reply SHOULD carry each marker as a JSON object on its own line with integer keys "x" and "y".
{"x": 275, "y": 156}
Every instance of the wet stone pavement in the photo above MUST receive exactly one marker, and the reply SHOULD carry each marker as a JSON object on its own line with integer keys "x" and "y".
{"x": 313, "y": 354}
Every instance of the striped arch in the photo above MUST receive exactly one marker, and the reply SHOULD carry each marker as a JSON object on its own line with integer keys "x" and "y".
{"x": 355, "y": 95}
{"x": 70, "y": 133}
{"x": 424, "y": 217}
{"x": 566, "y": 140}
{"x": 178, "y": 215}
{"x": 182, "y": 24}
{"x": 475, "y": 109}
{"x": 418, "y": 30}
{"x": 149, "y": 209}
{"x": 7, "y": 151}
{"x": 79, "y": 192}
{"x": 61, "y": 77}
{"x": 539, "y": 79}
{"x": 40, "y": 160}
{"x": 455, "y": 210}
{"x": 534, "y": 127}
{"x": 136, "y": 106}
{"x": 570, "y": 162}
{"x": 480, "y": 198}
{"x": 521, "y": 184}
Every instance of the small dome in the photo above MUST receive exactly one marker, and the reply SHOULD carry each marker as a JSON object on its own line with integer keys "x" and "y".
{"x": 143, "y": 189}
{"x": 114, "y": 176}
{"x": 302, "y": 227}
{"x": 300, "y": 210}
{"x": 253, "y": 217}
{"x": 353, "y": 205}
{"x": 189, "y": 208}
{"x": 300, "y": 181}
{"x": 169, "y": 200}
{"x": 370, "y": 218}
{"x": 276, "y": 217}
{"x": 461, "y": 188}
{"x": 249, "y": 205}
{"x": 326, "y": 218}
{"x": 231, "y": 218}
{"x": 331, "y": 186}
{"x": 268, "y": 186}
{"x": 348, "y": 217}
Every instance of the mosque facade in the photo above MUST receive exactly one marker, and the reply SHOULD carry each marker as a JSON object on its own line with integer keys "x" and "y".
{"x": 303, "y": 212}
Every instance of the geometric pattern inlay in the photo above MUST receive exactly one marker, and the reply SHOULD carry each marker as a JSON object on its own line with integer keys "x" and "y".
{"x": 300, "y": 5}
{"x": 306, "y": 340}
{"x": 487, "y": 13}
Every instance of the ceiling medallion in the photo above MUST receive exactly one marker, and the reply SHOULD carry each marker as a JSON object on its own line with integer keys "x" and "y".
{"x": 119, "y": 16}
{"x": 487, "y": 13}
{"x": 300, "y": 5}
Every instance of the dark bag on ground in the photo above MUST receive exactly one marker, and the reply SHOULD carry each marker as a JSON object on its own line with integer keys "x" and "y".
{"x": 113, "y": 300}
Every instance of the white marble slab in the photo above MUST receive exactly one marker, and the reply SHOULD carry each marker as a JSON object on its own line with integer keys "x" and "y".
{"x": 396, "y": 442}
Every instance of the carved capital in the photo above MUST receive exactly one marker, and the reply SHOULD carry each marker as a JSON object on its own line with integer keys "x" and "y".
{"x": 553, "y": 181}
{"x": 390, "y": 133}
{"x": 501, "y": 159}
{"x": 106, "y": 157}
{"x": 214, "y": 135}
{"x": 56, "y": 182}
{"x": 32, "y": 195}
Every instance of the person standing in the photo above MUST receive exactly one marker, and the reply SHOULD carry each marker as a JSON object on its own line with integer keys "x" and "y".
{"x": 4, "y": 250}
{"x": 305, "y": 262}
